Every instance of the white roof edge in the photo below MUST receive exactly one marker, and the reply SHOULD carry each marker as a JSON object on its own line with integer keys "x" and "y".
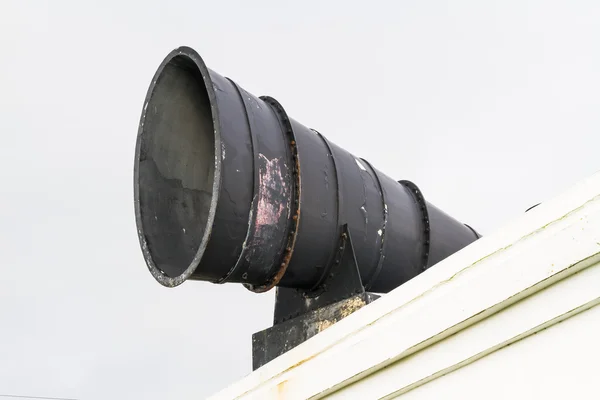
{"x": 547, "y": 244}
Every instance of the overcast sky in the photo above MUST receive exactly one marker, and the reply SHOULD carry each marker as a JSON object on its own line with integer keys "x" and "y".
{"x": 490, "y": 107}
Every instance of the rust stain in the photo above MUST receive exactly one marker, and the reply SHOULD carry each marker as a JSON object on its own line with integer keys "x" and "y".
{"x": 302, "y": 361}
{"x": 281, "y": 389}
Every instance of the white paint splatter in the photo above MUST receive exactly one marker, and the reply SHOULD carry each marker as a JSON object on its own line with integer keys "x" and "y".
{"x": 244, "y": 245}
{"x": 380, "y": 232}
{"x": 360, "y": 164}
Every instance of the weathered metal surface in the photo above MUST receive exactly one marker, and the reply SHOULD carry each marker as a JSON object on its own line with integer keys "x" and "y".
{"x": 229, "y": 188}
{"x": 282, "y": 337}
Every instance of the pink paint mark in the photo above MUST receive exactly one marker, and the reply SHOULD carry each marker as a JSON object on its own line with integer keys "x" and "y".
{"x": 272, "y": 193}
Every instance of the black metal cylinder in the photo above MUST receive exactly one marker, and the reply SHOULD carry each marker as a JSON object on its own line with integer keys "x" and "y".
{"x": 228, "y": 188}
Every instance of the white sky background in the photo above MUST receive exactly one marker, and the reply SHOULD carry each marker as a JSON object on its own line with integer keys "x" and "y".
{"x": 490, "y": 107}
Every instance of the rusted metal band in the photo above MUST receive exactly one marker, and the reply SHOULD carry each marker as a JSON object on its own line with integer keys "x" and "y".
{"x": 251, "y": 221}
{"x": 295, "y": 211}
{"x": 369, "y": 281}
{"x": 418, "y": 196}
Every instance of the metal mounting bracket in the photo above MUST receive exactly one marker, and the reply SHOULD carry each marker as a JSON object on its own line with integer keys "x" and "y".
{"x": 300, "y": 314}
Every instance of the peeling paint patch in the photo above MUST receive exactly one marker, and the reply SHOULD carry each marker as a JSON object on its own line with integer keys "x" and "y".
{"x": 272, "y": 190}
{"x": 272, "y": 206}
